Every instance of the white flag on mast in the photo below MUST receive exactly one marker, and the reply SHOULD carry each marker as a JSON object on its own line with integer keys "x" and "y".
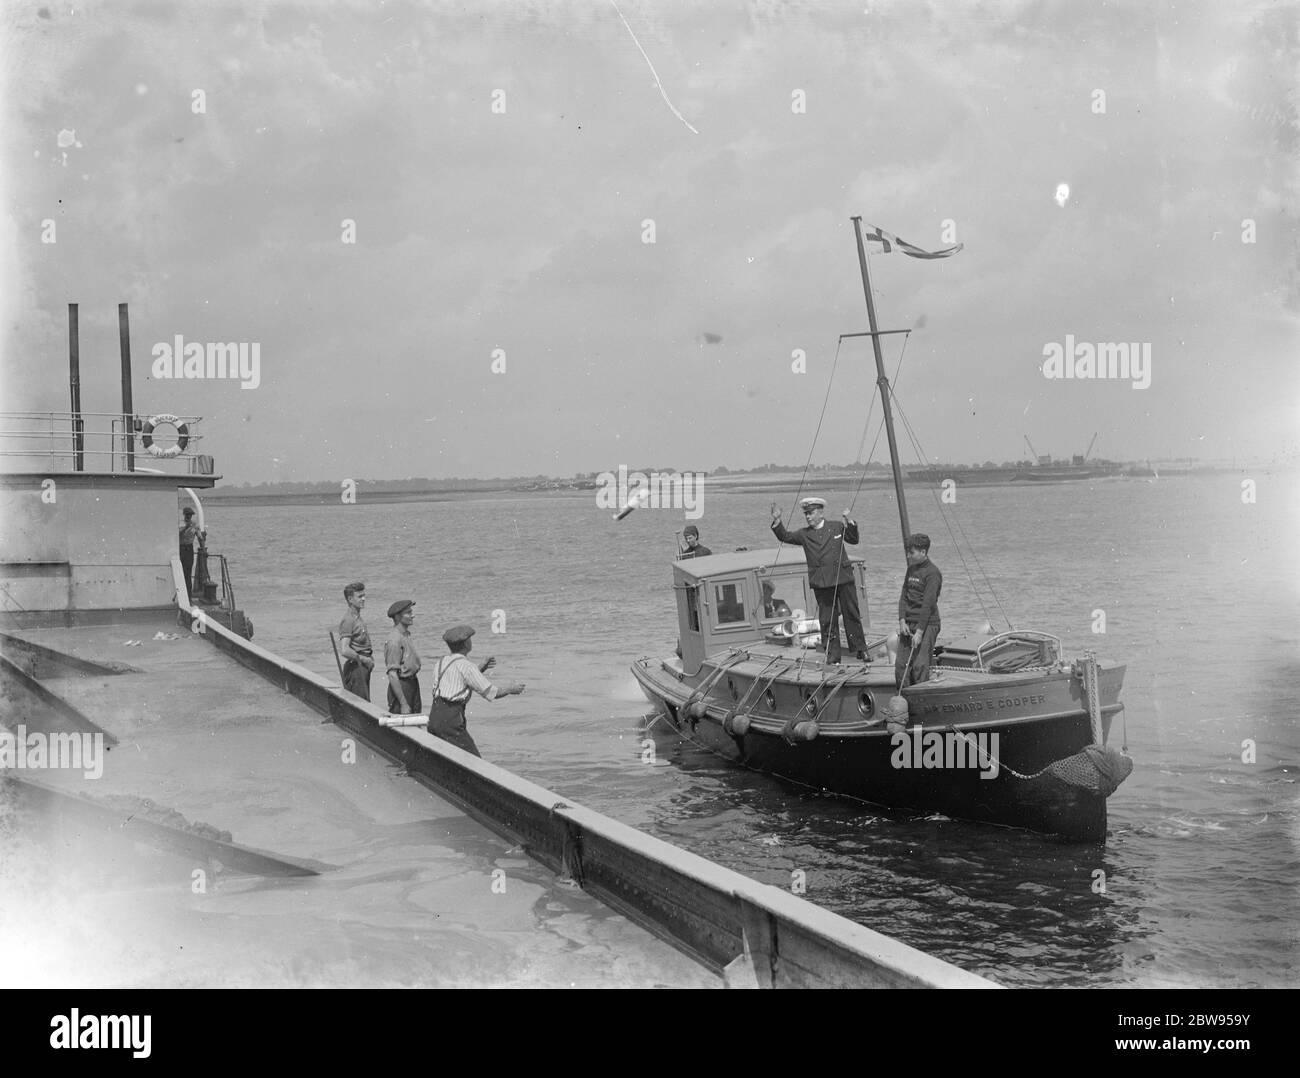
{"x": 890, "y": 241}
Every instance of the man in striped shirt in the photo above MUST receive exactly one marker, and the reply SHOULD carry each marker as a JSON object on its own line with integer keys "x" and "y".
{"x": 455, "y": 680}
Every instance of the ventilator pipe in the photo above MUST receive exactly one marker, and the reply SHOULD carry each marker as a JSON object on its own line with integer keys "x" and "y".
{"x": 198, "y": 505}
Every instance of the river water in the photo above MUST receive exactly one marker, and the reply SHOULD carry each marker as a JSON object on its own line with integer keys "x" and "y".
{"x": 1196, "y": 588}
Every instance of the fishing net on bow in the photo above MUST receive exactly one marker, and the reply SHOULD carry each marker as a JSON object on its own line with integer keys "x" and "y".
{"x": 1098, "y": 768}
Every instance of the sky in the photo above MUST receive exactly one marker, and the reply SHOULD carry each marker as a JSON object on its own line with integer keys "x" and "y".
{"x": 485, "y": 239}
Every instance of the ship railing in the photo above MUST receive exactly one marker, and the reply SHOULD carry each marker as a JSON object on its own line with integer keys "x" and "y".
{"x": 94, "y": 442}
{"x": 222, "y": 593}
{"x": 1026, "y": 635}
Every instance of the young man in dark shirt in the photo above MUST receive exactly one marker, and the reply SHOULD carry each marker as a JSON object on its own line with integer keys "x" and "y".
{"x": 694, "y": 548}
{"x": 918, "y": 613}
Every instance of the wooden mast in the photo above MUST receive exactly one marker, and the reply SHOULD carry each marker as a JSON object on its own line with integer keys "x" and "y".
{"x": 883, "y": 383}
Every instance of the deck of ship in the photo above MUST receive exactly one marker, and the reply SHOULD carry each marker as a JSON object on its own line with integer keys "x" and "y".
{"x": 417, "y": 893}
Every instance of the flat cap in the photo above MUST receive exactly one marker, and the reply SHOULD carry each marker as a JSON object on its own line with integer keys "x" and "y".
{"x": 458, "y": 634}
{"x": 400, "y": 606}
{"x": 808, "y": 503}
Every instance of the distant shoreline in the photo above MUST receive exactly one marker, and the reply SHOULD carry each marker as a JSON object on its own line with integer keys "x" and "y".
{"x": 776, "y": 483}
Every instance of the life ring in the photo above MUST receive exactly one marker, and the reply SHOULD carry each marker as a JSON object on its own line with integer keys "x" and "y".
{"x": 182, "y": 436}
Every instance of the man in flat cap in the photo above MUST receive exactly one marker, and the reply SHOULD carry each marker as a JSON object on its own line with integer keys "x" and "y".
{"x": 694, "y": 548}
{"x": 829, "y": 572}
{"x": 402, "y": 661}
{"x": 457, "y": 679}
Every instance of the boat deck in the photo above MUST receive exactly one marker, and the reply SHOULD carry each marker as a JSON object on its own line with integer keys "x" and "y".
{"x": 414, "y": 892}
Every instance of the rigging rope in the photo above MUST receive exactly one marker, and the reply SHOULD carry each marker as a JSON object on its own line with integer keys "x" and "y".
{"x": 825, "y": 401}
{"x": 947, "y": 520}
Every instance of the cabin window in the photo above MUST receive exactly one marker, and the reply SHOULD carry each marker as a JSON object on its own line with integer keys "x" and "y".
{"x": 693, "y": 608}
{"x": 781, "y": 597}
{"x": 729, "y": 602}
{"x": 784, "y": 597}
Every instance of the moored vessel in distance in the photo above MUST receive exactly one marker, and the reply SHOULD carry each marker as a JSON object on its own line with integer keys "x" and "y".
{"x": 1047, "y": 470}
{"x": 1006, "y": 730}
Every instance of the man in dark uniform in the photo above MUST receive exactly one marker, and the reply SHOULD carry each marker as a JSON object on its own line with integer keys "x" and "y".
{"x": 402, "y": 661}
{"x": 354, "y": 643}
{"x": 457, "y": 678}
{"x": 918, "y": 613}
{"x": 694, "y": 548}
{"x": 830, "y": 573}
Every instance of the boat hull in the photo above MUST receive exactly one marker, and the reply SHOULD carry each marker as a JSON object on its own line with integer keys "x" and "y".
{"x": 976, "y": 748}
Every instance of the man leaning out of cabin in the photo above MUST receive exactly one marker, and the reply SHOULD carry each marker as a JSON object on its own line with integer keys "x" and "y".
{"x": 354, "y": 643}
{"x": 830, "y": 572}
{"x": 694, "y": 548}
{"x": 918, "y": 613}
{"x": 456, "y": 679}
{"x": 402, "y": 661}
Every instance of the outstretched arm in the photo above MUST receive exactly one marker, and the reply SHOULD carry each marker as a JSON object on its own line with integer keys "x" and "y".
{"x": 478, "y": 681}
{"x": 779, "y": 530}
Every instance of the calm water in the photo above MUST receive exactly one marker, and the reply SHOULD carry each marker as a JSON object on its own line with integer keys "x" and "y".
{"x": 1199, "y": 593}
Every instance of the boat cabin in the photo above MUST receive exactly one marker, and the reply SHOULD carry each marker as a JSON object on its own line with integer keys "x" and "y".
{"x": 749, "y": 597}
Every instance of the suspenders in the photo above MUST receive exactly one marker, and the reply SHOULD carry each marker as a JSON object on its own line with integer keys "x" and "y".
{"x": 442, "y": 670}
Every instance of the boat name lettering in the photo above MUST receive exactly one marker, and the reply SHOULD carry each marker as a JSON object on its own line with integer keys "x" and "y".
{"x": 972, "y": 706}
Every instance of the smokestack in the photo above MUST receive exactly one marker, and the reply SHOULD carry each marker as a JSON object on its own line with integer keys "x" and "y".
{"x": 128, "y": 411}
{"x": 74, "y": 383}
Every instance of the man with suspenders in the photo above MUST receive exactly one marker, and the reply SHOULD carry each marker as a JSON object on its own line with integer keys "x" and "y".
{"x": 455, "y": 680}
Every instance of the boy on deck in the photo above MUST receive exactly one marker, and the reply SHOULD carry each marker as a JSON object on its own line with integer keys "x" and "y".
{"x": 918, "y": 613}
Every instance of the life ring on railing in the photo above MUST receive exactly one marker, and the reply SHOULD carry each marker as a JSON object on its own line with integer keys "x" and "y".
{"x": 182, "y": 436}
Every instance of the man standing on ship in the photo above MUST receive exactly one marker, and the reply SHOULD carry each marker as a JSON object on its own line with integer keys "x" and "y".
{"x": 918, "y": 613}
{"x": 830, "y": 573}
{"x": 354, "y": 643}
{"x": 189, "y": 536}
{"x": 458, "y": 679}
{"x": 402, "y": 661}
